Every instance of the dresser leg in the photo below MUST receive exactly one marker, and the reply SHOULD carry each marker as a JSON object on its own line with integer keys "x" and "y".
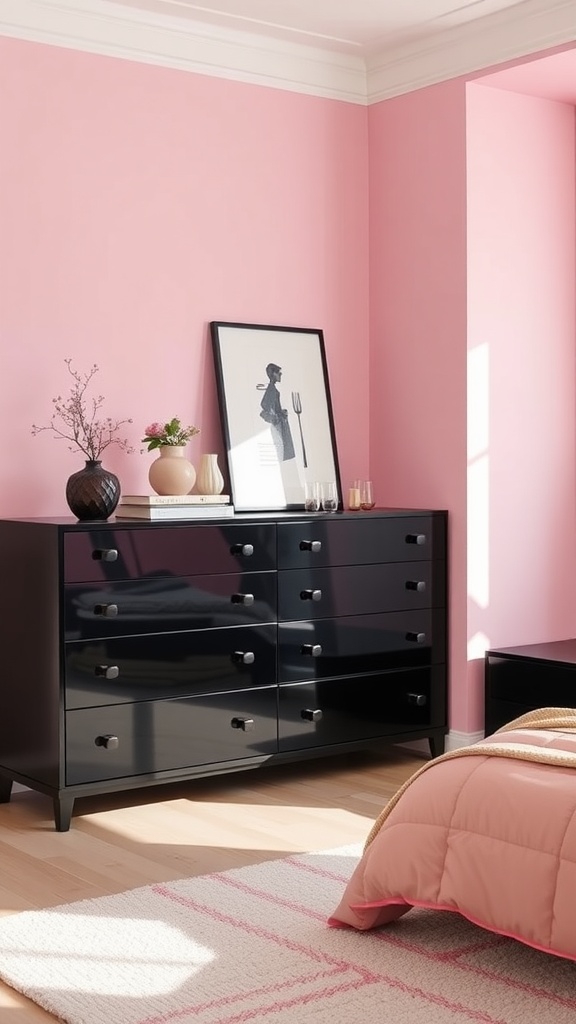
{"x": 436, "y": 742}
{"x": 5, "y": 789}
{"x": 63, "y": 806}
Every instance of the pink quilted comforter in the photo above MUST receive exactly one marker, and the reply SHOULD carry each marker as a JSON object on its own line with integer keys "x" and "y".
{"x": 488, "y": 831}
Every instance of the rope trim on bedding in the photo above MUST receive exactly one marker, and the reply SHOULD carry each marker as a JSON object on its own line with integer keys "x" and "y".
{"x": 554, "y": 719}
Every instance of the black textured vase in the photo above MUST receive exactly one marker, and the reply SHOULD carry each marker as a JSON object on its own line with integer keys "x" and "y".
{"x": 93, "y": 493}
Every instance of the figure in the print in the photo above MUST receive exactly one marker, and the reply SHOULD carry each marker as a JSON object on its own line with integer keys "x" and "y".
{"x": 273, "y": 413}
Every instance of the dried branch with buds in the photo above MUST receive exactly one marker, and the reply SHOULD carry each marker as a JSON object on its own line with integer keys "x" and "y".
{"x": 76, "y": 419}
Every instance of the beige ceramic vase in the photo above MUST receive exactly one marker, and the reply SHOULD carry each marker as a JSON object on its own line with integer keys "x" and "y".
{"x": 172, "y": 472}
{"x": 209, "y": 479}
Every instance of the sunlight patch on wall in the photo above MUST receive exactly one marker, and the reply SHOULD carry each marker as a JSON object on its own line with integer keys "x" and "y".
{"x": 478, "y": 401}
{"x": 478, "y": 547}
{"x": 478, "y": 552}
{"x": 477, "y": 646}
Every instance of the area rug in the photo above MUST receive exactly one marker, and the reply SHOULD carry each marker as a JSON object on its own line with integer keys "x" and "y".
{"x": 252, "y": 945}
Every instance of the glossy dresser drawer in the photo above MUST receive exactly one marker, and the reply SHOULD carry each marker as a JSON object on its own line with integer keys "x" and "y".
{"x": 180, "y": 549}
{"x": 167, "y": 604}
{"x": 359, "y": 541}
{"x": 136, "y": 668}
{"x": 359, "y": 643}
{"x": 358, "y": 589}
{"x": 329, "y": 711}
{"x": 169, "y": 735}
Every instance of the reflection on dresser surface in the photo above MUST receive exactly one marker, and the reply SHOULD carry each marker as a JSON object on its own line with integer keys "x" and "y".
{"x": 140, "y": 653}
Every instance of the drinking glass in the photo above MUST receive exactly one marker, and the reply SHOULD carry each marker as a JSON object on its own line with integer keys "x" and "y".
{"x": 366, "y": 495}
{"x": 312, "y": 496}
{"x": 329, "y": 496}
{"x": 354, "y": 496}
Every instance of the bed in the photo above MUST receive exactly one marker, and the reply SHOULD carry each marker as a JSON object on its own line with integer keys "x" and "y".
{"x": 487, "y": 831}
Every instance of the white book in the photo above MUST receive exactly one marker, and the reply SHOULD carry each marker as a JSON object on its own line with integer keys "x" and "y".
{"x": 174, "y": 499}
{"x": 157, "y": 513}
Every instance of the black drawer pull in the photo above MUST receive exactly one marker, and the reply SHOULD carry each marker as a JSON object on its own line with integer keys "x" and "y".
{"x": 246, "y": 724}
{"x": 311, "y": 595}
{"x": 419, "y": 585}
{"x": 314, "y": 650}
{"x": 416, "y": 538}
{"x": 311, "y": 714}
{"x": 416, "y": 638}
{"x": 108, "y": 741}
{"x": 419, "y": 699}
{"x": 245, "y": 599}
{"x": 243, "y": 657}
{"x": 108, "y": 610}
{"x": 107, "y": 671}
{"x": 105, "y": 554}
{"x": 242, "y": 549}
{"x": 311, "y": 545}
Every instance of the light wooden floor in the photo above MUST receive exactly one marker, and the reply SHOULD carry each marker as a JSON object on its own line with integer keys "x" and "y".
{"x": 124, "y": 840}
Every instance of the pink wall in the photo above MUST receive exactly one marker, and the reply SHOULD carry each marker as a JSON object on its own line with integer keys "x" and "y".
{"x": 138, "y": 203}
{"x": 418, "y": 322}
{"x": 472, "y": 255}
{"x": 522, "y": 303}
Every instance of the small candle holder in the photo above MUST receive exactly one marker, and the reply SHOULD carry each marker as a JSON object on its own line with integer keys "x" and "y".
{"x": 354, "y": 496}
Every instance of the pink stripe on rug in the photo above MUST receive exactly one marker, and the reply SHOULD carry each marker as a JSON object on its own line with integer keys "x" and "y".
{"x": 252, "y": 929}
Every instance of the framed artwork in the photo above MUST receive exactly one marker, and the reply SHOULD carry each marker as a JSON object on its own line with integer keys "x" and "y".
{"x": 276, "y": 414}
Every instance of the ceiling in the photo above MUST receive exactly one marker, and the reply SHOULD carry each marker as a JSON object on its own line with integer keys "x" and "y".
{"x": 358, "y": 51}
{"x": 360, "y": 27}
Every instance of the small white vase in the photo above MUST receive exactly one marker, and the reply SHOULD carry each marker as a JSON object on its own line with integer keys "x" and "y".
{"x": 172, "y": 472}
{"x": 209, "y": 479}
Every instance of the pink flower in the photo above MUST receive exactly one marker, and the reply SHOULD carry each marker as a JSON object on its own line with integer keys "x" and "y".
{"x": 154, "y": 430}
{"x": 158, "y": 435}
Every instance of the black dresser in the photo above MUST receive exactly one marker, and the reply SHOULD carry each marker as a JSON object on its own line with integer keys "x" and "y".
{"x": 141, "y": 653}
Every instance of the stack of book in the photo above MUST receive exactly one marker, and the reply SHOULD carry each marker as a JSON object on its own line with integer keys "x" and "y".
{"x": 156, "y": 507}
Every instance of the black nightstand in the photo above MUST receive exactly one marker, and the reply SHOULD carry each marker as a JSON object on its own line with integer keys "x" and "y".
{"x": 520, "y": 679}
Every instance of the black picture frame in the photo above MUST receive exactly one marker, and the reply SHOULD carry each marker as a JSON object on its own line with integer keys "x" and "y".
{"x": 276, "y": 413}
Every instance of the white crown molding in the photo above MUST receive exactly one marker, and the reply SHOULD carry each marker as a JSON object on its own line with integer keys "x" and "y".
{"x": 132, "y": 34}
{"x": 506, "y": 35}
{"x": 125, "y": 32}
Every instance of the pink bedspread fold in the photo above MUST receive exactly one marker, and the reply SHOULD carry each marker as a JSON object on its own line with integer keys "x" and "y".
{"x": 488, "y": 831}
